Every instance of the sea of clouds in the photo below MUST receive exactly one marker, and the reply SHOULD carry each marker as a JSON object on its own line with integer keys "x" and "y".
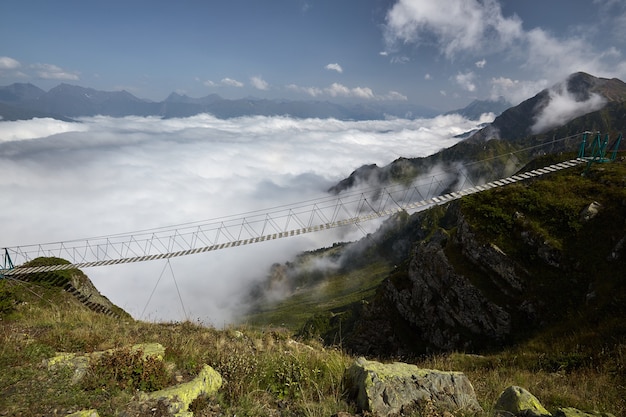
{"x": 102, "y": 175}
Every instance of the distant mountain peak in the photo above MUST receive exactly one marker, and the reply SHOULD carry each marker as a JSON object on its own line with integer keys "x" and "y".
{"x": 580, "y": 93}
{"x": 477, "y": 108}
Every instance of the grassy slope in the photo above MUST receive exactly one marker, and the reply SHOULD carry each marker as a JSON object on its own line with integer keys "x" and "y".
{"x": 265, "y": 371}
{"x": 334, "y": 294}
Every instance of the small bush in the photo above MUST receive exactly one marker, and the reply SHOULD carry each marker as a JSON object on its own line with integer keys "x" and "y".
{"x": 8, "y": 298}
{"x": 128, "y": 371}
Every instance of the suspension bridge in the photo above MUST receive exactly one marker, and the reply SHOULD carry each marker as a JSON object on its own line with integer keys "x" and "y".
{"x": 285, "y": 221}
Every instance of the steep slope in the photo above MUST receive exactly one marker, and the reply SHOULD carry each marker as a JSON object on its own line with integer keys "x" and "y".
{"x": 579, "y": 94}
{"x": 514, "y": 125}
{"x": 72, "y": 281}
{"x": 490, "y": 270}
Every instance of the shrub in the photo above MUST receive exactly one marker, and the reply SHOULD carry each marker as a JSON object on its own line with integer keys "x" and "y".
{"x": 8, "y": 298}
{"x": 127, "y": 370}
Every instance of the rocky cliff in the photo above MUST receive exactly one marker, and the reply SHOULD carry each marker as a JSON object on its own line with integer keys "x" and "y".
{"x": 491, "y": 269}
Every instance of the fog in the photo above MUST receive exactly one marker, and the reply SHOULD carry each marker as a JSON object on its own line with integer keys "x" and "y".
{"x": 62, "y": 181}
{"x": 564, "y": 107}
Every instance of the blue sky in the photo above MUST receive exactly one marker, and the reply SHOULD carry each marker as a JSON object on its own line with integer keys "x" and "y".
{"x": 439, "y": 53}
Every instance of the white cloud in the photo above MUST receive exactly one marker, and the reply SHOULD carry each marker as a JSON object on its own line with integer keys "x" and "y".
{"x": 8, "y": 63}
{"x": 457, "y": 25}
{"x": 340, "y": 90}
{"x": 563, "y": 107}
{"x": 481, "y": 63}
{"x": 312, "y": 91}
{"x": 53, "y": 72}
{"x": 515, "y": 91}
{"x": 400, "y": 59}
{"x": 231, "y": 83}
{"x": 107, "y": 175}
{"x": 334, "y": 67}
{"x": 259, "y": 83}
{"x": 470, "y": 28}
{"x": 36, "y": 128}
{"x": 209, "y": 83}
{"x": 394, "y": 95}
{"x": 428, "y": 77}
{"x": 466, "y": 81}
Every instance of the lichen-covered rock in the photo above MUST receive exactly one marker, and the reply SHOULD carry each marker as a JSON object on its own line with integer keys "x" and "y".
{"x": 573, "y": 412}
{"x": 385, "y": 389}
{"x": 516, "y": 401}
{"x": 179, "y": 397}
{"x": 80, "y": 363}
{"x": 84, "y": 413}
{"x": 590, "y": 211}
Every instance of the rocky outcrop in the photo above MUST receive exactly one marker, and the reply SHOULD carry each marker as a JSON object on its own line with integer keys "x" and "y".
{"x": 448, "y": 310}
{"x": 573, "y": 412}
{"x": 516, "y": 401}
{"x": 387, "y": 389}
{"x": 176, "y": 399}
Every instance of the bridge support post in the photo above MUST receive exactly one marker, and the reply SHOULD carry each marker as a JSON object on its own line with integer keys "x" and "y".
{"x": 8, "y": 263}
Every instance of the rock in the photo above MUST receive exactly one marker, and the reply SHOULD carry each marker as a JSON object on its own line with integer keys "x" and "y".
{"x": 84, "y": 413}
{"x": 384, "y": 389}
{"x": 590, "y": 211}
{"x": 444, "y": 306}
{"x": 516, "y": 401}
{"x": 573, "y": 412}
{"x": 179, "y": 397}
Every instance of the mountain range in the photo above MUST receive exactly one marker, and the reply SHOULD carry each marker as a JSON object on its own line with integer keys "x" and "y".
{"x": 64, "y": 102}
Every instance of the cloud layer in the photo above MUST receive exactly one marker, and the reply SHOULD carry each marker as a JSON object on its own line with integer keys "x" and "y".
{"x": 105, "y": 175}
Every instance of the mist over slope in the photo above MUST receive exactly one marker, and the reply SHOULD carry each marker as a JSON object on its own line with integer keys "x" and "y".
{"x": 549, "y": 115}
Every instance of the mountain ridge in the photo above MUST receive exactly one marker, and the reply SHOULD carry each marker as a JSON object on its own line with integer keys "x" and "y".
{"x": 25, "y": 101}
{"x": 509, "y": 133}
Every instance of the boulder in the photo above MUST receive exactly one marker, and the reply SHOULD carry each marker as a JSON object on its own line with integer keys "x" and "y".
{"x": 84, "y": 413}
{"x": 385, "y": 389}
{"x": 516, "y": 401}
{"x": 590, "y": 211}
{"x": 573, "y": 412}
{"x": 179, "y": 397}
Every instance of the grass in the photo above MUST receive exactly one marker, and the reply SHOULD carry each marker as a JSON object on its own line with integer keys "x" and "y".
{"x": 264, "y": 370}
{"x": 269, "y": 374}
{"x": 336, "y": 292}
